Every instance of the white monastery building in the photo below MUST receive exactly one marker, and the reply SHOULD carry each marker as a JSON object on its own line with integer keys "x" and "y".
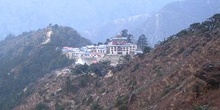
{"x": 119, "y": 46}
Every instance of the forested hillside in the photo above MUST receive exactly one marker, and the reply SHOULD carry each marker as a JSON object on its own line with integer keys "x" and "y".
{"x": 181, "y": 72}
{"x": 29, "y": 56}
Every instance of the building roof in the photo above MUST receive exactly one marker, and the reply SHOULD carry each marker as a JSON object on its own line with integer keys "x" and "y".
{"x": 90, "y": 46}
{"x": 123, "y": 44}
{"x": 102, "y": 46}
{"x": 119, "y": 38}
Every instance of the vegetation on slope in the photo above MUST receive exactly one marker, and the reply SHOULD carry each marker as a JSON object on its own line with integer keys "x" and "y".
{"x": 25, "y": 58}
{"x": 175, "y": 75}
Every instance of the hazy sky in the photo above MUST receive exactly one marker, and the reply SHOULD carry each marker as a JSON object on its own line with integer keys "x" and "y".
{"x": 24, "y": 15}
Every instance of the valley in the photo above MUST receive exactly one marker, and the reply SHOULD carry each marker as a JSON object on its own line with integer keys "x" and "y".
{"x": 120, "y": 55}
{"x": 180, "y": 72}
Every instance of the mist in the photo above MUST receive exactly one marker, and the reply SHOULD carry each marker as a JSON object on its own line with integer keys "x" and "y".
{"x": 25, "y": 15}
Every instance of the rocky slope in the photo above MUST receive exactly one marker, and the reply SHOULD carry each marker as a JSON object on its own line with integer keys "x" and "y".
{"x": 182, "y": 72}
{"x": 29, "y": 56}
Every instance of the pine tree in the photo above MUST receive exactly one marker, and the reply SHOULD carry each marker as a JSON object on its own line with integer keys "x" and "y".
{"x": 143, "y": 44}
{"x": 124, "y": 33}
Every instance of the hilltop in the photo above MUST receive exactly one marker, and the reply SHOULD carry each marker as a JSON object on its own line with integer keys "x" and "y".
{"x": 180, "y": 72}
{"x": 26, "y": 58}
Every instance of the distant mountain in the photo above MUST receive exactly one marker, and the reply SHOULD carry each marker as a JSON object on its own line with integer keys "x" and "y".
{"x": 169, "y": 20}
{"x": 26, "y": 15}
{"x": 181, "y": 72}
{"x": 27, "y": 57}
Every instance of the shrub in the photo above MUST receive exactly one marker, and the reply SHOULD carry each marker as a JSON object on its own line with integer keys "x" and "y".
{"x": 159, "y": 72}
{"x": 182, "y": 33}
{"x": 147, "y": 49}
{"x": 70, "y": 87}
{"x": 95, "y": 106}
{"x": 97, "y": 84}
{"x": 59, "y": 107}
{"x": 121, "y": 100}
{"x": 181, "y": 50}
{"x": 123, "y": 107}
{"x": 166, "y": 90}
{"x": 41, "y": 106}
{"x": 140, "y": 55}
{"x": 100, "y": 68}
{"x": 83, "y": 81}
{"x": 202, "y": 107}
{"x": 89, "y": 100}
{"x": 124, "y": 59}
{"x": 118, "y": 68}
{"x": 136, "y": 67}
{"x": 80, "y": 69}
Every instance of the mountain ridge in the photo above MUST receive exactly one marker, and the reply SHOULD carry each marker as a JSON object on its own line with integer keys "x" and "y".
{"x": 29, "y": 56}
{"x": 169, "y": 20}
{"x": 171, "y": 76}
{"x": 26, "y": 15}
